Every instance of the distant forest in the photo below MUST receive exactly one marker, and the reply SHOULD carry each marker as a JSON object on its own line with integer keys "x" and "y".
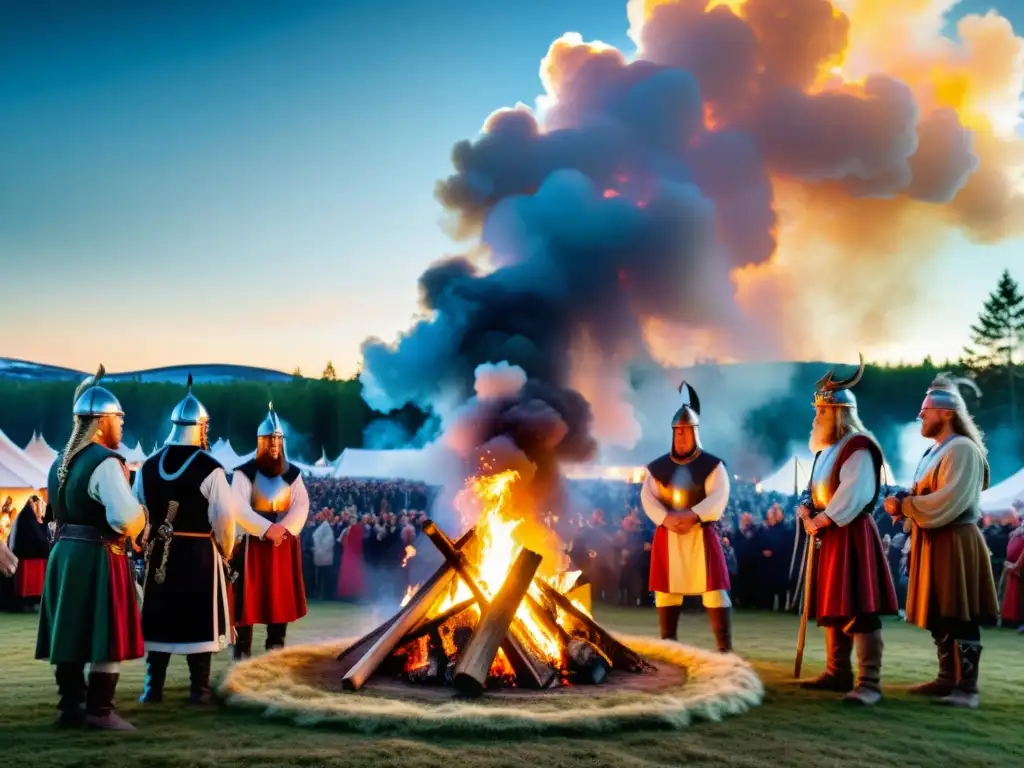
{"x": 332, "y": 415}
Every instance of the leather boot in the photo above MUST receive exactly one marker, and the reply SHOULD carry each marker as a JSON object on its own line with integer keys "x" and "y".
{"x": 275, "y": 636}
{"x": 943, "y": 684}
{"x": 99, "y": 703}
{"x": 869, "y": 669}
{"x": 838, "y": 674}
{"x": 243, "y": 643}
{"x": 156, "y": 674}
{"x": 965, "y": 692}
{"x": 71, "y": 687}
{"x": 721, "y": 625}
{"x": 668, "y": 621}
{"x": 199, "y": 678}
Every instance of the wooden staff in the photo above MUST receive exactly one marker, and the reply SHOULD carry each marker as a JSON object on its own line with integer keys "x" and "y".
{"x": 801, "y": 639}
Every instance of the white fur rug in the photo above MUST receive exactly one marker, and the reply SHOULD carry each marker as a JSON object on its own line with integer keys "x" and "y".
{"x": 717, "y": 685}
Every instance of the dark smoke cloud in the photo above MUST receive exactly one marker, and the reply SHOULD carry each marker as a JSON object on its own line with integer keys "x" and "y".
{"x": 647, "y": 183}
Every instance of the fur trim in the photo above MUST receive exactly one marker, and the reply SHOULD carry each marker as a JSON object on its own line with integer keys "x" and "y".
{"x": 716, "y": 685}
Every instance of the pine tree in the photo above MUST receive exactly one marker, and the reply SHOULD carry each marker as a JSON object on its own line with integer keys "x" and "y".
{"x": 297, "y": 373}
{"x": 329, "y": 373}
{"x": 998, "y": 335}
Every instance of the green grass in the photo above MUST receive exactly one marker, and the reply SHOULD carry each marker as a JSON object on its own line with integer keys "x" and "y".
{"x": 791, "y": 728}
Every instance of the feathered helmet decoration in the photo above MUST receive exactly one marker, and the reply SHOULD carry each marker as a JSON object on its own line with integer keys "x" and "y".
{"x": 944, "y": 393}
{"x": 688, "y": 414}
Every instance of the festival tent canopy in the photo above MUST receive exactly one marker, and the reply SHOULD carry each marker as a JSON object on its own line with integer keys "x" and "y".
{"x": 1000, "y": 497}
{"x": 225, "y": 454}
{"x": 796, "y": 471}
{"x": 135, "y": 455}
{"x": 626, "y": 474}
{"x": 17, "y": 470}
{"x": 40, "y": 452}
{"x": 400, "y": 464}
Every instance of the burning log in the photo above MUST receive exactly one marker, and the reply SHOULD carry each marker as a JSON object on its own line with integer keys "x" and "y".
{"x": 472, "y": 670}
{"x": 351, "y": 655}
{"x": 589, "y": 663}
{"x": 620, "y": 656}
{"x": 528, "y": 675}
{"x": 435, "y": 623}
{"x": 406, "y": 620}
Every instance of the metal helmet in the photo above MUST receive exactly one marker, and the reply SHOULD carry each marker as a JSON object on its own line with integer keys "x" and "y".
{"x": 944, "y": 393}
{"x": 830, "y": 393}
{"x": 93, "y": 400}
{"x": 688, "y": 414}
{"x": 186, "y": 419}
{"x": 270, "y": 426}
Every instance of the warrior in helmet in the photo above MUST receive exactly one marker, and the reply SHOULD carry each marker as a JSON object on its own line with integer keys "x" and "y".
{"x": 191, "y": 516}
{"x": 952, "y": 589}
{"x": 685, "y": 493}
{"x": 273, "y": 503}
{"x": 852, "y": 586}
{"x": 89, "y": 612}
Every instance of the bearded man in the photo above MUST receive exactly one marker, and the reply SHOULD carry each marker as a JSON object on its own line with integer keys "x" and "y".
{"x": 952, "y": 589}
{"x": 685, "y": 493}
{"x": 851, "y": 587}
{"x": 185, "y": 608}
{"x": 270, "y": 493}
{"x": 89, "y": 612}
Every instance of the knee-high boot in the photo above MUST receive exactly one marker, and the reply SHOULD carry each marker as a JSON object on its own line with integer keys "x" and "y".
{"x": 199, "y": 678}
{"x": 71, "y": 687}
{"x": 243, "y": 643}
{"x": 156, "y": 675}
{"x": 668, "y": 621}
{"x": 99, "y": 703}
{"x": 721, "y": 625}
{"x": 965, "y": 693}
{"x": 838, "y": 674}
{"x": 275, "y": 636}
{"x": 944, "y": 681}
{"x": 869, "y": 669}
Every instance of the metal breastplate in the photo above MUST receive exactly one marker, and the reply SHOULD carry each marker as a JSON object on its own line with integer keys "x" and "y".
{"x": 271, "y": 495}
{"x": 822, "y": 485}
{"x": 683, "y": 491}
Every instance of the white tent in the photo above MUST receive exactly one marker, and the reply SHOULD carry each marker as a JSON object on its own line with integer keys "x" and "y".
{"x": 796, "y": 472}
{"x": 17, "y": 470}
{"x": 40, "y": 452}
{"x": 134, "y": 455}
{"x": 626, "y": 474}
{"x": 401, "y": 464}
{"x": 225, "y": 454}
{"x": 1000, "y": 497}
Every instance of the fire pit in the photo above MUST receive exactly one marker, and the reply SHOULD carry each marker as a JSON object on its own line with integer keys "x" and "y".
{"x": 487, "y": 623}
{"x": 456, "y": 629}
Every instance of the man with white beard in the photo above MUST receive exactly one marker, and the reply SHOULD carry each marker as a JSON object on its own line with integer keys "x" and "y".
{"x": 952, "y": 589}
{"x": 685, "y": 494}
{"x": 852, "y": 586}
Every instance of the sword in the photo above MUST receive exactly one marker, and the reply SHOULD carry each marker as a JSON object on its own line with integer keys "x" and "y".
{"x": 164, "y": 533}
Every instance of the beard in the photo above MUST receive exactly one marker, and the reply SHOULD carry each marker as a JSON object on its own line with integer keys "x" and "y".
{"x": 821, "y": 437}
{"x": 930, "y": 430}
{"x": 269, "y": 466}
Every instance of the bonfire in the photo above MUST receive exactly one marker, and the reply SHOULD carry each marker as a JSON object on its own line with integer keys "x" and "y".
{"x": 491, "y": 617}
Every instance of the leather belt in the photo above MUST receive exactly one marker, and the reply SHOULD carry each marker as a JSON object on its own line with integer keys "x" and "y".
{"x": 87, "y": 533}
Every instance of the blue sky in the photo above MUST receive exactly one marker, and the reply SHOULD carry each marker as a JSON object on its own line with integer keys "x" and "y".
{"x": 252, "y": 182}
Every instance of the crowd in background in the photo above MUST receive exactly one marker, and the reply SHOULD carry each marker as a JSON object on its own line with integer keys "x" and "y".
{"x": 362, "y": 536}
{"x": 361, "y": 541}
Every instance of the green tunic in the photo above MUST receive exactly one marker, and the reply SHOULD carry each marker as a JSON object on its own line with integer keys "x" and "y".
{"x": 82, "y": 612}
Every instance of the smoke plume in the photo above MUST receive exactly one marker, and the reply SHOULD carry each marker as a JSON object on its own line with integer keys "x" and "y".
{"x": 733, "y": 190}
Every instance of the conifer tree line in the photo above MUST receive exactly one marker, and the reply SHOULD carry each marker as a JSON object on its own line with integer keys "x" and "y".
{"x": 329, "y": 414}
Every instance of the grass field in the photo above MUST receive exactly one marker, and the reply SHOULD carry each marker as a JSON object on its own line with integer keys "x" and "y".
{"x": 791, "y": 728}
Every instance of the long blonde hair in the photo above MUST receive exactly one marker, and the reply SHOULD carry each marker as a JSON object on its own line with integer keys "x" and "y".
{"x": 81, "y": 435}
{"x": 962, "y": 421}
